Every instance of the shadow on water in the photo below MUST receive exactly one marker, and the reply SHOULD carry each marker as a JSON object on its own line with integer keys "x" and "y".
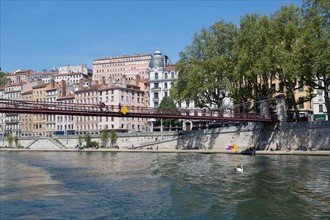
{"x": 111, "y": 185}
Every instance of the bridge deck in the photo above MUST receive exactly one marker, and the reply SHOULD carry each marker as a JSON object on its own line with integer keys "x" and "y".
{"x": 63, "y": 108}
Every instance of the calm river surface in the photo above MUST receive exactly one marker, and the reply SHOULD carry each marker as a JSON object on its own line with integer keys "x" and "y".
{"x": 107, "y": 185}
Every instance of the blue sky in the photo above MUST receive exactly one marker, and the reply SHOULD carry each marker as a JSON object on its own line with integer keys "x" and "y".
{"x": 39, "y": 34}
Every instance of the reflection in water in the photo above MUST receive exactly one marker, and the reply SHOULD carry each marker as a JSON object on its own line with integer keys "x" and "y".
{"x": 89, "y": 185}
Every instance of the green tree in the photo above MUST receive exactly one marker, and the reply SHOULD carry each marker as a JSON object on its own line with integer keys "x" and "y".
{"x": 16, "y": 141}
{"x": 88, "y": 140}
{"x": 286, "y": 25}
{"x": 253, "y": 53}
{"x": 167, "y": 105}
{"x": 113, "y": 138}
{"x": 105, "y": 137}
{"x": 205, "y": 67}
{"x": 2, "y": 79}
{"x": 10, "y": 139}
{"x": 314, "y": 47}
{"x": 80, "y": 140}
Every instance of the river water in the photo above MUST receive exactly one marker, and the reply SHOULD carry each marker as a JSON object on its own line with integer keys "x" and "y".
{"x": 108, "y": 185}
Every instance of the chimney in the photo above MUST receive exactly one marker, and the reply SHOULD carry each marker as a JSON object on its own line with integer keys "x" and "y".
{"x": 63, "y": 88}
{"x": 52, "y": 82}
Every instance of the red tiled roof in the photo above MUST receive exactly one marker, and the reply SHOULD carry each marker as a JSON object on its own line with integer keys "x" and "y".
{"x": 40, "y": 85}
{"x": 27, "y": 92}
{"x": 170, "y": 68}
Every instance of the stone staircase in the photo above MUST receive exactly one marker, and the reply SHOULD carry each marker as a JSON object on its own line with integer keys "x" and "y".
{"x": 46, "y": 143}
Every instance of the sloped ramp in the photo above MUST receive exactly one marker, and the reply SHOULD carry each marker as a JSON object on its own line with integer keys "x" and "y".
{"x": 45, "y": 144}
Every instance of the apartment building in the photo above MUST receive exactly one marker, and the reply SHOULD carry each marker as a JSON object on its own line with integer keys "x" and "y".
{"x": 319, "y": 108}
{"x": 116, "y": 95}
{"x": 116, "y": 67}
{"x": 43, "y": 76}
{"x": 87, "y": 97}
{"x": 51, "y": 97}
{"x": 159, "y": 82}
{"x": 301, "y": 92}
{"x": 65, "y": 123}
{"x": 71, "y": 78}
{"x": 18, "y": 76}
{"x": 2, "y": 115}
{"x": 75, "y": 69}
{"x": 39, "y": 120}
{"x": 27, "y": 119}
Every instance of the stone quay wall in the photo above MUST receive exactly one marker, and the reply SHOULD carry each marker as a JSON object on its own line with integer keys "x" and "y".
{"x": 263, "y": 136}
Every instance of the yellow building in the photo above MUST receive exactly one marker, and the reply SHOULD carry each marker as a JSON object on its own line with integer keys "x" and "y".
{"x": 301, "y": 92}
{"x": 39, "y": 120}
{"x": 26, "y": 119}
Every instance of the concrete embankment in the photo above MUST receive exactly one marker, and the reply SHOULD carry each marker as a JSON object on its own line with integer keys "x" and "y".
{"x": 113, "y": 150}
{"x": 314, "y": 136}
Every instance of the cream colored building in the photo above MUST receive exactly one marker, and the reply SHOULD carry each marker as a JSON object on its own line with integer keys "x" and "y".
{"x": 116, "y": 67}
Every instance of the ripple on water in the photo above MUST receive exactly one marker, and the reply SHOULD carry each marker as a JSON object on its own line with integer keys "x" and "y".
{"x": 84, "y": 185}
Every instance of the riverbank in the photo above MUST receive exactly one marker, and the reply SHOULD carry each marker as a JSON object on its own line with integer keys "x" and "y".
{"x": 264, "y": 152}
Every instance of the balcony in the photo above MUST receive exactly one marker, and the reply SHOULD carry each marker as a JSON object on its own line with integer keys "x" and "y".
{"x": 155, "y": 89}
{"x": 12, "y": 121}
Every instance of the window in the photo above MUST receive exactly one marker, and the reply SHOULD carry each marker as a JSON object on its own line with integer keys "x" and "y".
{"x": 172, "y": 75}
{"x": 320, "y": 108}
{"x": 156, "y": 75}
{"x": 300, "y": 86}
{"x": 165, "y": 76}
{"x": 301, "y": 102}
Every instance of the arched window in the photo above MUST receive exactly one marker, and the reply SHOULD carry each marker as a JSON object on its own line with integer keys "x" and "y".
{"x": 156, "y": 75}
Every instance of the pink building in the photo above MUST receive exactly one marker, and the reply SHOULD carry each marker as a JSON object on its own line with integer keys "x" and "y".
{"x": 116, "y": 67}
{"x": 116, "y": 95}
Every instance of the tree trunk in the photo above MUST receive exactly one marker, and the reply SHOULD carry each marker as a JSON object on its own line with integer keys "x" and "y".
{"x": 327, "y": 100}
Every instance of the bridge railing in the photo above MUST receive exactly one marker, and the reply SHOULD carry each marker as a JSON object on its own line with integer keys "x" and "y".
{"x": 79, "y": 107}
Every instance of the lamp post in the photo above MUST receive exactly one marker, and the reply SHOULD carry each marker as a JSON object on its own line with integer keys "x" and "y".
{"x": 161, "y": 129}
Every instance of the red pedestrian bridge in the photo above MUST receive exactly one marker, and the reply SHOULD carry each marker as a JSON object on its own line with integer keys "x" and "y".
{"x": 64, "y": 108}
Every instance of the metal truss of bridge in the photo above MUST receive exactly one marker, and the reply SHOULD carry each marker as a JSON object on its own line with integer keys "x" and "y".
{"x": 63, "y": 108}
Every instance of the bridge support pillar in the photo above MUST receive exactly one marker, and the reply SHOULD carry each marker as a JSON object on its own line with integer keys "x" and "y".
{"x": 282, "y": 117}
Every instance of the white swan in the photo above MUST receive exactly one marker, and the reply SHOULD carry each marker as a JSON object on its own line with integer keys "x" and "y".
{"x": 240, "y": 170}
